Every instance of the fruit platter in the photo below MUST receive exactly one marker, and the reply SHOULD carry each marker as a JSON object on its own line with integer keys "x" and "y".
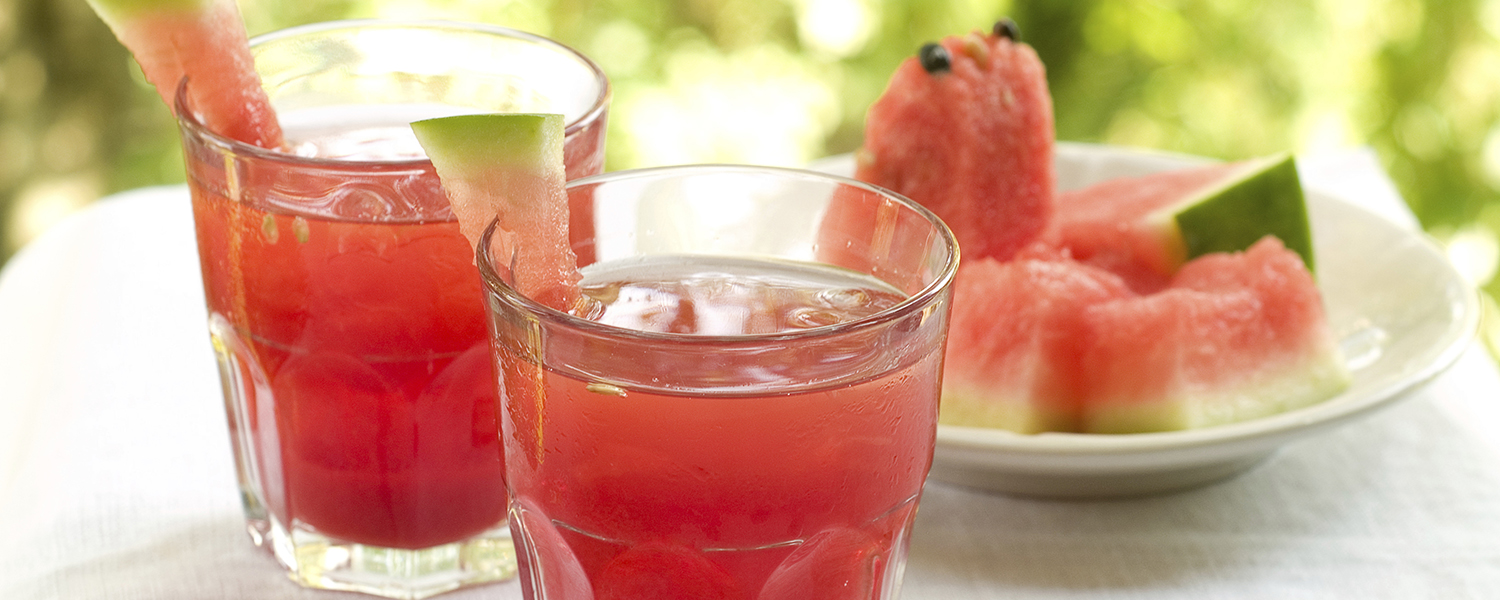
{"x": 1399, "y": 310}
{"x": 1130, "y": 322}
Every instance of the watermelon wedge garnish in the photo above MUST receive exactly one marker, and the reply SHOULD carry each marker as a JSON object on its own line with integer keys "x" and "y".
{"x": 204, "y": 41}
{"x": 509, "y": 168}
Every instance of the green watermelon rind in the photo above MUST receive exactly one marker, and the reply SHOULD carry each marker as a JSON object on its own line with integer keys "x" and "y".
{"x": 482, "y": 142}
{"x": 985, "y": 408}
{"x": 1319, "y": 376}
{"x": 1265, "y": 198}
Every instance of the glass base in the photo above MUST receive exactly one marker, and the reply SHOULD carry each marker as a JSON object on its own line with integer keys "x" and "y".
{"x": 317, "y": 561}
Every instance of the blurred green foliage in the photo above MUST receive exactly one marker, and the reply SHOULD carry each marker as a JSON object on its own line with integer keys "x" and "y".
{"x": 787, "y": 81}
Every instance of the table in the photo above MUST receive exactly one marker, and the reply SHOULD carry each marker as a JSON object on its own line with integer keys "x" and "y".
{"x": 116, "y": 480}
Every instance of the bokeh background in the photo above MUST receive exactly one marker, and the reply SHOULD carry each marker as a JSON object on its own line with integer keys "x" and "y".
{"x": 787, "y": 81}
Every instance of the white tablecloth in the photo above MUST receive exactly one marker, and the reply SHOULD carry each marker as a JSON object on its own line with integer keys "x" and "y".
{"x": 116, "y": 480}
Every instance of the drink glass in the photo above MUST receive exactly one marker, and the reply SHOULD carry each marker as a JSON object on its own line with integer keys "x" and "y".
{"x": 344, "y": 308}
{"x": 744, "y": 404}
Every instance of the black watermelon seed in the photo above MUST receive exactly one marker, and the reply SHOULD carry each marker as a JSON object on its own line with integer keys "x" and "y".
{"x": 934, "y": 58}
{"x": 1007, "y": 28}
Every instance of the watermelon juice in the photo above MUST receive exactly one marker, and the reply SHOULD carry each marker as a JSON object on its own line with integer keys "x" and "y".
{"x": 728, "y": 416}
{"x": 362, "y": 338}
{"x": 349, "y": 325}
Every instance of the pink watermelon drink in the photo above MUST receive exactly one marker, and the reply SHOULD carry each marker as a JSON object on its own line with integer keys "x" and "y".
{"x": 723, "y": 416}
{"x": 344, "y": 305}
{"x": 345, "y": 396}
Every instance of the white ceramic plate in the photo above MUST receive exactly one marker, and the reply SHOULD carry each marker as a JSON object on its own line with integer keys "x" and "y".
{"x": 1401, "y": 311}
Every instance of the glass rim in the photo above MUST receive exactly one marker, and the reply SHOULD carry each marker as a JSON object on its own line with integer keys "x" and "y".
{"x": 188, "y": 120}
{"x": 917, "y": 301}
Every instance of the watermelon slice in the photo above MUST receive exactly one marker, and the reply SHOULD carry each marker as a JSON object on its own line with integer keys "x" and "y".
{"x": 1145, "y": 228}
{"x": 509, "y": 168}
{"x": 1235, "y": 336}
{"x": 204, "y": 41}
{"x": 1015, "y": 340}
{"x": 966, "y": 130}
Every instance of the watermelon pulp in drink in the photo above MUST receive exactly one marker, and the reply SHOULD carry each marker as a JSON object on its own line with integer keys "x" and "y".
{"x": 777, "y": 469}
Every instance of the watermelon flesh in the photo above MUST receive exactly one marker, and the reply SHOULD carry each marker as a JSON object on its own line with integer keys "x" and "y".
{"x": 203, "y": 41}
{"x": 1046, "y": 343}
{"x": 1145, "y": 228}
{"x": 508, "y": 169}
{"x": 1235, "y": 336}
{"x": 1113, "y": 225}
{"x": 973, "y": 143}
{"x": 1016, "y": 339}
